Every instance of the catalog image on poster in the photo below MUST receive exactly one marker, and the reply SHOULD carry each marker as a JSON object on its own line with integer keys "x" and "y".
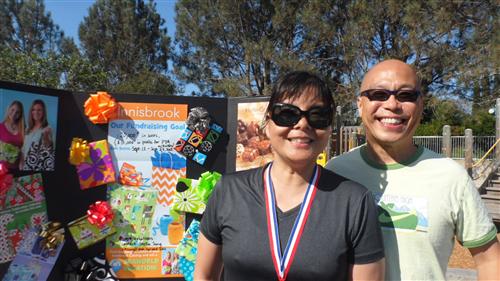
{"x": 253, "y": 148}
{"x": 141, "y": 142}
{"x": 27, "y": 130}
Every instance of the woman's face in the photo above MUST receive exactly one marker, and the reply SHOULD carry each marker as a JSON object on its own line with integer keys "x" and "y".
{"x": 300, "y": 144}
{"x": 14, "y": 113}
{"x": 37, "y": 113}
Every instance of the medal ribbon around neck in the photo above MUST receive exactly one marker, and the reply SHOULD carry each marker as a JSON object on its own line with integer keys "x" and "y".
{"x": 283, "y": 262}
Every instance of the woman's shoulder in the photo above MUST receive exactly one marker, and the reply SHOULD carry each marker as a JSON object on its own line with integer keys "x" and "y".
{"x": 246, "y": 176}
{"x": 241, "y": 182}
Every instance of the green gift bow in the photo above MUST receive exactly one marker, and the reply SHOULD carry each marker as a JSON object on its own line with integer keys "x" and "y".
{"x": 206, "y": 185}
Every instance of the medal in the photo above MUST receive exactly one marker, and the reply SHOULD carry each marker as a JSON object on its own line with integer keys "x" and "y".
{"x": 282, "y": 262}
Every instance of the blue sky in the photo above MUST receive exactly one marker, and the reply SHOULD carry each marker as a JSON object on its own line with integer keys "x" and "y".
{"x": 68, "y": 14}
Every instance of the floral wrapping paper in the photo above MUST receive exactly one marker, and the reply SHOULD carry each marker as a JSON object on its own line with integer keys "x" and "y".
{"x": 98, "y": 168}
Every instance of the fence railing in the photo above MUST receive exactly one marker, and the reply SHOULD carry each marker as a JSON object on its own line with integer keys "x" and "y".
{"x": 481, "y": 144}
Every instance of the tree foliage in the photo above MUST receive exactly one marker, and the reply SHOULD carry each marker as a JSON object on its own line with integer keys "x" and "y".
{"x": 239, "y": 47}
{"x": 26, "y": 27}
{"x": 29, "y": 44}
{"x": 127, "y": 40}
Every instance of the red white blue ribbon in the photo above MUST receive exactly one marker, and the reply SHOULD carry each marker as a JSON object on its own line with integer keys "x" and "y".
{"x": 282, "y": 262}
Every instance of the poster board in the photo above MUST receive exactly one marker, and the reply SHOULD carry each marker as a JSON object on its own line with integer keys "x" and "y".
{"x": 65, "y": 201}
{"x": 143, "y": 136}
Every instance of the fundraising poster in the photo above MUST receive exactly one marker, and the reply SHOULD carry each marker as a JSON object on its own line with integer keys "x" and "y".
{"x": 141, "y": 140}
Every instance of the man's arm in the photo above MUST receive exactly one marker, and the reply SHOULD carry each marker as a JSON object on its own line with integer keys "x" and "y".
{"x": 208, "y": 260}
{"x": 369, "y": 271}
{"x": 487, "y": 259}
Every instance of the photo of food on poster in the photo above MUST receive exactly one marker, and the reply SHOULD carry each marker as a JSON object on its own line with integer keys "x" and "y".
{"x": 28, "y": 130}
{"x": 141, "y": 141}
{"x": 253, "y": 148}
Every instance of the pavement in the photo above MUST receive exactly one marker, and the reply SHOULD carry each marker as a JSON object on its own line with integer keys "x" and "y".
{"x": 460, "y": 274}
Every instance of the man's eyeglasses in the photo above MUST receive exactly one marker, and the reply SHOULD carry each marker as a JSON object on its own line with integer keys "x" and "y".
{"x": 383, "y": 95}
{"x": 288, "y": 115}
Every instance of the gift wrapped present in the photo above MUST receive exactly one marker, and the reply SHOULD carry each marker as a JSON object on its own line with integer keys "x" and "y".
{"x": 187, "y": 250}
{"x": 98, "y": 168}
{"x": 192, "y": 195}
{"x": 36, "y": 255}
{"x": 85, "y": 233}
{"x": 23, "y": 207}
{"x": 129, "y": 175}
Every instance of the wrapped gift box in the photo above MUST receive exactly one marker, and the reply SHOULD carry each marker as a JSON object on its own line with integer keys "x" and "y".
{"x": 98, "y": 168}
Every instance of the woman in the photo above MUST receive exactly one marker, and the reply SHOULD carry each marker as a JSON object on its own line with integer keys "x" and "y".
{"x": 12, "y": 135}
{"x": 37, "y": 151}
{"x": 291, "y": 219}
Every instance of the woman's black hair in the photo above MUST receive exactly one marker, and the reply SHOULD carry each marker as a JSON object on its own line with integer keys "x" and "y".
{"x": 293, "y": 84}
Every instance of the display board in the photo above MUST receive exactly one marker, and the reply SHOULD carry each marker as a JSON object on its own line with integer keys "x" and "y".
{"x": 135, "y": 140}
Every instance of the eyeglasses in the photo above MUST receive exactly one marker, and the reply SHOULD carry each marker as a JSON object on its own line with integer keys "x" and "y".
{"x": 287, "y": 115}
{"x": 383, "y": 95}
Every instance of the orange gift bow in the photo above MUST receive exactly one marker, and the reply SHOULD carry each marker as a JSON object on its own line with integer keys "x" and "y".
{"x": 100, "y": 213}
{"x": 130, "y": 176}
{"x": 78, "y": 152}
{"x": 100, "y": 107}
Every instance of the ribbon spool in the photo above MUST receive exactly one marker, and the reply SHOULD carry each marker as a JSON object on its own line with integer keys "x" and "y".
{"x": 100, "y": 213}
{"x": 100, "y": 108}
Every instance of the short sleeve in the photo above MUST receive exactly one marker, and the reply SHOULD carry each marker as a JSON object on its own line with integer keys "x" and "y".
{"x": 474, "y": 227}
{"x": 365, "y": 234}
{"x": 210, "y": 224}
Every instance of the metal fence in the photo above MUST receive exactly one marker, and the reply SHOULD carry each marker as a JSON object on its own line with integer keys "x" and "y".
{"x": 481, "y": 144}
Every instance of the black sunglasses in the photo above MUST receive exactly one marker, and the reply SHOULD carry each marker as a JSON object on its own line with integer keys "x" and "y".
{"x": 287, "y": 115}
{"x": 383, "y": 95}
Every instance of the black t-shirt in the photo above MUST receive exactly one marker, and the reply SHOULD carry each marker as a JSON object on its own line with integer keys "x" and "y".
{"x": 342, "y": 229}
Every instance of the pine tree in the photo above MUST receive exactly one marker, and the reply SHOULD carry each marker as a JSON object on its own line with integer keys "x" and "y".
{"x": 128, "y": 40}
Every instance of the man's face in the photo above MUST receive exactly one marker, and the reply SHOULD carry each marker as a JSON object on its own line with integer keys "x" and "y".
{"x": 390, "y": 123}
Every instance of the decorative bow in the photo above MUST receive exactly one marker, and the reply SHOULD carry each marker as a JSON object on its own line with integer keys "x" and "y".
{"x": 100, "y": 107}
{"x": 100, "y": 213}
{"x": 130, "y": 176}
{"x": 5, "y": 179}
{"x": 198, "y": 119}
{"x": 96, "y": 268}
{"x": 79, "y": 151}
{"x": 52, "y": 235}
{"x": 206, "y": 185}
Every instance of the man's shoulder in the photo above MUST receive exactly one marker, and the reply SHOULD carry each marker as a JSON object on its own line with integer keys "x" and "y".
{"x": 432, "y": 160}
{"x": 348, "y": 158}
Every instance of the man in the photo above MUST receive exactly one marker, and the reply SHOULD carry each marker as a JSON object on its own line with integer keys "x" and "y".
{"x": 424, "y": 199}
